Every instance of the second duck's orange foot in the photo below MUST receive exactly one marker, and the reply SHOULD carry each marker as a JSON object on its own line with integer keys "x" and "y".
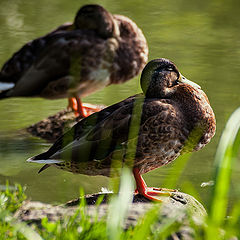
{"x": 90, "y": 109}
{"x": 80, "y": 109}
{"x": 151, "y": 193}
{"x": 72, "y": 104}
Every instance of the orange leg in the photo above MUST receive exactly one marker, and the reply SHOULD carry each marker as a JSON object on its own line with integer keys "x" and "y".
{"x": 150, "y": 193}
{"x": 81, "y": 109}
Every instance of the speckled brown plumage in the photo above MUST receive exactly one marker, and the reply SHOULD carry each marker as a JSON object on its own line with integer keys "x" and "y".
{"x": 77, "y": 58}
{"x": 171, "y": 117}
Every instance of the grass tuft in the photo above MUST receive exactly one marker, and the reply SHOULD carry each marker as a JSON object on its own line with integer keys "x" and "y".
{"x": 227, "y": 151}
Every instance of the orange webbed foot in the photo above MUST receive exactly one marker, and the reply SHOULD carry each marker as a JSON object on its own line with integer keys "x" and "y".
{"x": 80, "y": 109}
{"x": 151, "y": 193}
{"x": 154, "y": 195}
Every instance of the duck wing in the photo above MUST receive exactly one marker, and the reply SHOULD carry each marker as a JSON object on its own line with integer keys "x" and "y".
{"x": 55, "y": 64}
{"x": 21, "y": 60}
{"x": 110, "y": 124}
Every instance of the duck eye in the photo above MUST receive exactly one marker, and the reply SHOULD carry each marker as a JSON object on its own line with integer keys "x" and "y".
{"x": 169, "y": 69}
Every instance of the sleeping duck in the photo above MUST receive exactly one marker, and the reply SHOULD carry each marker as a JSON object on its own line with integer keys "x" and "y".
{"x": 171, "y": 117}
{"x": 76, "y": 59}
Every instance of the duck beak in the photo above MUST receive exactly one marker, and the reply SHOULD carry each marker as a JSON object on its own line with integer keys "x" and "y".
{"x": 182, "y": 79}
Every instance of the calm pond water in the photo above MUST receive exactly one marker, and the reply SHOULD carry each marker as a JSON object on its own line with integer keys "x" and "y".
{"x": 202, "y": 38}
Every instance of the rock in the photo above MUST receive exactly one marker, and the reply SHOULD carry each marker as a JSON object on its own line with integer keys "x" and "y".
{"x": 54, "y": 126}
{"x": 176, "y": 208}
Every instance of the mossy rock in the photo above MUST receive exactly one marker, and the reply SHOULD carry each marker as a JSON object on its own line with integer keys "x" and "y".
{"x": 180, "y": 208}
{"x": 55, "y": 125}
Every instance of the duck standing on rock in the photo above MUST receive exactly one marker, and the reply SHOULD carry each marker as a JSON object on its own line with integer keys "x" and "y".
{"x": 76, "y": 59}
{"x": 171, "y": 117}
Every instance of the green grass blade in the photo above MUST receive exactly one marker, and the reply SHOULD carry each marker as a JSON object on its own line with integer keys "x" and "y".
{"x": 171, "y": 180}
{"x": 118, "y": 207}
{"x": 143, "y": 229}
{"x": 225, "y": 155}
{"x": 26, "y": 231}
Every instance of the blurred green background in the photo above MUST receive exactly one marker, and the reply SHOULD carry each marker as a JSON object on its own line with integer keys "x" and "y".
{"x": 201, "y": 37}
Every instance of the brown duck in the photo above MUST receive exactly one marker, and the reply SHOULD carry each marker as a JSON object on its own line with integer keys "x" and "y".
{"x": 171, "y": 117}
{"x": 77, "y": 58}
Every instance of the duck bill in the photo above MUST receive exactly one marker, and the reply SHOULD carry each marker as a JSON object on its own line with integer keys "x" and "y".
{"x": 184, "y": 80}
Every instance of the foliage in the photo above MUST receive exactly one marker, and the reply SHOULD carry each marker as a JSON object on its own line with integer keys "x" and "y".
{"x": 218, "y": 224}
{"x": 10, "y": 200}
{"x": 227, "y": 151}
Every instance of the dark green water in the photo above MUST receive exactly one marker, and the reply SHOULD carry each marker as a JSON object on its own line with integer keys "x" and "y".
{"x": 202, "y": 38}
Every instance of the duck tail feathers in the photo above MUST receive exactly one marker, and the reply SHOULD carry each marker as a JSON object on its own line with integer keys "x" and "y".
{"x": 5, "y": 85}
{"x": 44, "y": 167}
{"x": 43, "y": 158}
{"x": 3, "y": 94}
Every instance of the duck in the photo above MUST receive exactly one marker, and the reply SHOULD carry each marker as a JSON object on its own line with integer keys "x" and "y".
{"x": 171, "y": 117}
{"x": 76, "y": 59}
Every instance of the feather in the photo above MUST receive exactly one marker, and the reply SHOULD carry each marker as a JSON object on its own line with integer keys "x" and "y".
{"x": 44, "y": 167}
{"x": 6, "y": 86}
{"x": 47, "y": 161}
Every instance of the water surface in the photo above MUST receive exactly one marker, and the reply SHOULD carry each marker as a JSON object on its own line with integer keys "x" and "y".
{"x": 202, "y": 38}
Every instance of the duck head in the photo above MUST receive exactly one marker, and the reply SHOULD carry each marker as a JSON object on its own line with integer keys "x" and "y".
{"x": 160, "y": 79}
{"x": 95, "y": 17}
